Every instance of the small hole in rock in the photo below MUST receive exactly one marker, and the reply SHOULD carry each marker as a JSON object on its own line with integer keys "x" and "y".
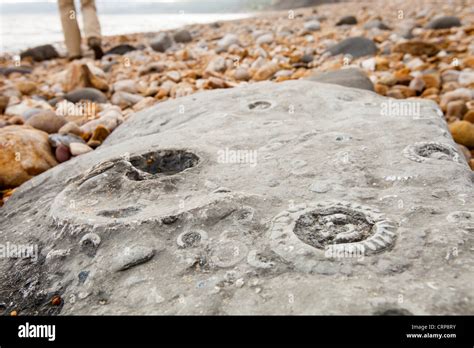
{"x": 119, "y": 213}
{"x": 435, "y": 151}
{"x": 165, "y": 162}
{"x": 393, "y": 311}
{"x": 259, "y": 105}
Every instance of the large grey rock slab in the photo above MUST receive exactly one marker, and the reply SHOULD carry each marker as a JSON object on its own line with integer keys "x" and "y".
{"x": 349, "y": 77}
{"x": 290, "y": 198}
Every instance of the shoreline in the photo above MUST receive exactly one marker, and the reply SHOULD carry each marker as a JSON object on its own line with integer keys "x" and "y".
{"x": 59, "y": 43}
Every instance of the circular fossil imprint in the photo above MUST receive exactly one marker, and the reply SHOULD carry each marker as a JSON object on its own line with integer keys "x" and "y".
{"x": 125, "y": 188}
{"x": 260, "y": 105}
{"x": 165, "y": 162}
{"x": 309, "y": 230}
{"x": 323, "y": 227}
{"x": 423, "y": 151}
{"x": 190, "y": 239}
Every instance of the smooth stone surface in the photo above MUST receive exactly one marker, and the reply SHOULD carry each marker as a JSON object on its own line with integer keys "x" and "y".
{"x": 71, "y": 128}
{"x": 56, "y": 140}
{"x": 265, "y": 39}
{"x": 307, "y": 58}
{"x": 62, "y": 153}
{"x": 87, "y": 93}
{"x": 266, "y": 71}
{"x": 40, "y": 53}
{"x": 218, "y": 64}
{"x": 47, "y": 121}
{"x": 463, "y": 133}
{"x": 376, "y": 24}
{"x": 416, "y": 48}
{"x": 351, "y": 139}
{"x": 444, "y": 22}
{"x": 15, "y": 69}
{"x": 128, "y": 85}
{"x": 349, "y": 77}
{"x": 227, "y": 41}
{"x": 347, "y": 20}
{"x": 78, "y": 149}
{"x": 120, "y": 49}
{"x": 109, "y": 118}
{"x": 312, "y": 25}
{"x": 161, "y": 42}
{"x": 466, "y": 78}
{"x": 182, "y": 36}
{"x": 124, "y": 99}
{"x": 131, "y": 257}
{"x": 242, "y": 74}
{"x": 355, "y": 46}
{"x": 24, "y": 153}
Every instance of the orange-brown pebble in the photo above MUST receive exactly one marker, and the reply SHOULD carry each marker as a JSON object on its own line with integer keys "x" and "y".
{"x": 469, "y": 116}
{"x": 381, "y": 89}
{"x": 463, "y": 133}
{"x": 456, "y": 108}
{"x": 406, "y": 91}
{"x": 431, "y": 80}
{"x": 56, "y": 300}
{"x": 100, "y": 133}
{"x": 395, "y": 93}
{"x": 432, "y": 97}
{"x": 16, "y": 120}
{"x": 430, "y": 91}
{"x": 469, "y": 62}
{"x": 403, "y": 76}
{"x": 381, "y": 63}
{"x": 26, "y": 87}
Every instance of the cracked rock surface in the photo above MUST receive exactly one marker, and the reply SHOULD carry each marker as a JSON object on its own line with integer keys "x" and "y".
{"x": 289, "y": 198}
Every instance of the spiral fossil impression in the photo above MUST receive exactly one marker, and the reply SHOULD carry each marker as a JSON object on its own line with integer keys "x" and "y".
{"x": 332, "y": 226}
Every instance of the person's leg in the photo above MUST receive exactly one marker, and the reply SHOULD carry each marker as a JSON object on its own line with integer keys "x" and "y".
{"x": 72, "y": 35}
{"x": 92, "y": 26}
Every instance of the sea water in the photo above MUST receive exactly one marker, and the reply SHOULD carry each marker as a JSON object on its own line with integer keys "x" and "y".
{"x": 30, "y": 23}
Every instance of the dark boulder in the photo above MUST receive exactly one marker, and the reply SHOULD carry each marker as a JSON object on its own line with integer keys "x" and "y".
{"x": 121, "y": 49}
{"x": 40, "y": 53}
{"x": 355, "y": 46}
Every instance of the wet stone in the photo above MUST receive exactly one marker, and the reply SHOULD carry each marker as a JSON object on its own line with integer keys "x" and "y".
{"x": 347, "y": 20}
{"x": 444, "y": 22}
{"x": 40, "y": 53}
{"x": 182, "y": 36}
{"x": 120, "y": 49}
{"x": 354, "y": 46}
{"x": 161, "y": 42}
{"x": 87, "y": 93}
